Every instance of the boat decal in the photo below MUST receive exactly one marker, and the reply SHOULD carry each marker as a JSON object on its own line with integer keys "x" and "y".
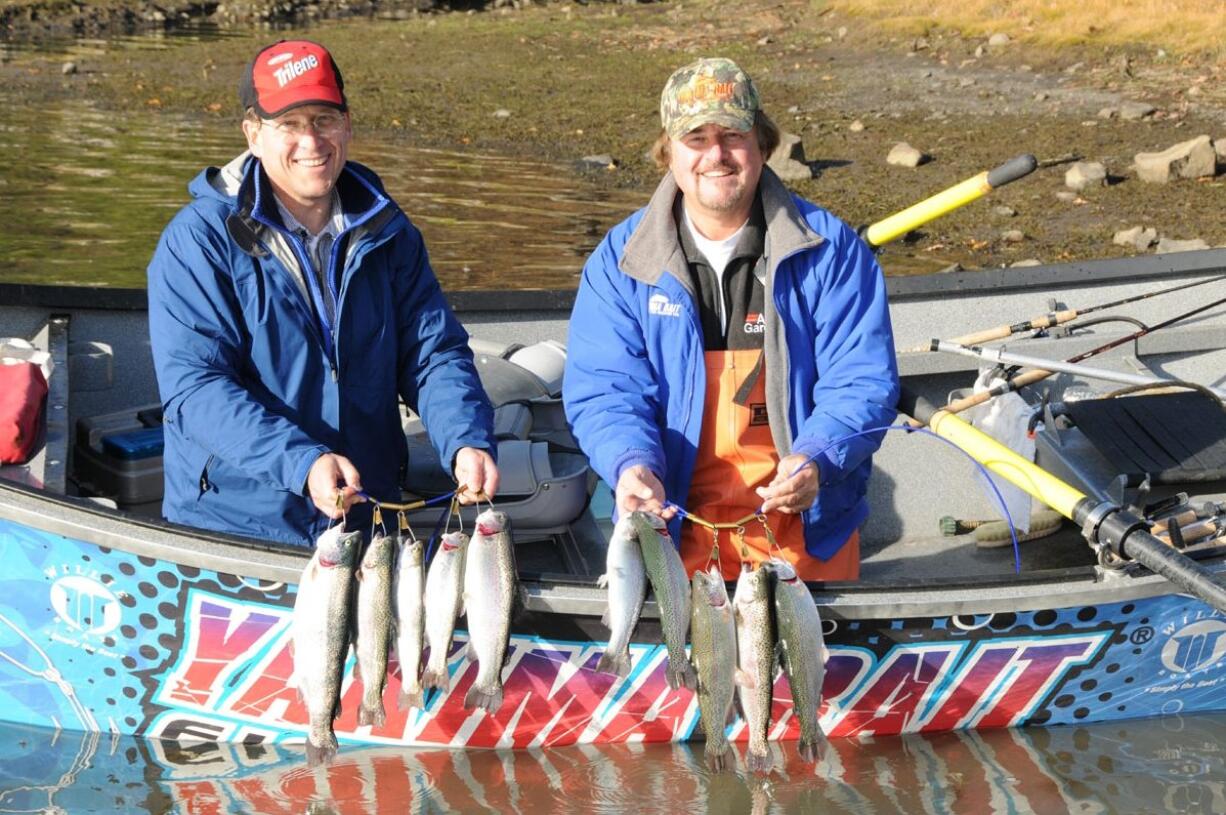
{"x": 98, "y": 639}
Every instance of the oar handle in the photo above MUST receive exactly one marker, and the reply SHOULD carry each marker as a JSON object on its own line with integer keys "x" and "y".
{"x": 959, "y": 195}
{"x": 1012, "y": 170}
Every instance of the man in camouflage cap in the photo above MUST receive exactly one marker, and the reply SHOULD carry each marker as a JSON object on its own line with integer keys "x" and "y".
{"x": 729, "y": 340}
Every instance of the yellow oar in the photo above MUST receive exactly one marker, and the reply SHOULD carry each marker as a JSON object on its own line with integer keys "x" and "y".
{"x": 958, "y": 195}
{"x": 1103, "y": 524}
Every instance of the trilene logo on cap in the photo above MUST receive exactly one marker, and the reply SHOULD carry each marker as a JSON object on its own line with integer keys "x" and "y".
{"x": 288, "y": 73}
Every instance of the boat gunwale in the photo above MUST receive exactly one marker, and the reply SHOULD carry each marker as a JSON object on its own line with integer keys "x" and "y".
{"x": 899, "y": 289}
{"x": 570, "y": 595}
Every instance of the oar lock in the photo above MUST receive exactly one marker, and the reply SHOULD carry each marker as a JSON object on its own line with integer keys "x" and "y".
{"x": 1106, "y": 528}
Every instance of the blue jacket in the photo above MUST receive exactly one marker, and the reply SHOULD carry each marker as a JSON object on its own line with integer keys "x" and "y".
{"x": 254, "y": 390}
{"x": 635, "y": 380}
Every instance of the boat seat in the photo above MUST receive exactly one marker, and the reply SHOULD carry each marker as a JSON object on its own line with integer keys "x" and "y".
{"x": 1174, "y": 438}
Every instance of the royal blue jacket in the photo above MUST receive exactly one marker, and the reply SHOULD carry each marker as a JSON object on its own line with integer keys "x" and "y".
{"x": 635, "y": 381}
{"x": 255, "y": 387}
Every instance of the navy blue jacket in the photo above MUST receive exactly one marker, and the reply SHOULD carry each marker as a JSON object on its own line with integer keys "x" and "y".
{"x": 254, "y": 389}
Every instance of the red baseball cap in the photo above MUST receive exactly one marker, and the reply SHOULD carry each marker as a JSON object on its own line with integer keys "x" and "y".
{"x": 290, "y": 74}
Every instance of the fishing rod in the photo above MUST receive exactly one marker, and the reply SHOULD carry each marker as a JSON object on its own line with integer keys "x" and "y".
{"x": 1057, "y": 366}
{"x": 1039, "y": 374}
{"x": 1055, "y": 318}
{"x": 1107, "y": 527}
{"x": 947, "y": 201}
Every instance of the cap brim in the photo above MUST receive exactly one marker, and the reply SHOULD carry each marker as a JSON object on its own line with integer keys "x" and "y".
{"x": 742, "y": 122}
{"x": 301, "y": 96}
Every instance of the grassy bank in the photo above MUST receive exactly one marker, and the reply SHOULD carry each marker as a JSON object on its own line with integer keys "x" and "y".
{"x": 1181, "y": 27}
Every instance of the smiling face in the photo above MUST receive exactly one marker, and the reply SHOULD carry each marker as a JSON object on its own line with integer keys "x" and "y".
{"x": 303, "y": 152}
{"x": 717, "y": 169}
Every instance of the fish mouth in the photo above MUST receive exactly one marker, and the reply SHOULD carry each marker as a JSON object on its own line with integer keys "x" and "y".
{"x": 328, "y": 564}
{"x": 488, "y": 529}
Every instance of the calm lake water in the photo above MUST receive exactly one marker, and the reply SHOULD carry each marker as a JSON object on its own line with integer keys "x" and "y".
{"x": 83, "y": 196}
{"x": 93, "y": 189}
{"x": 1146, "y": 766}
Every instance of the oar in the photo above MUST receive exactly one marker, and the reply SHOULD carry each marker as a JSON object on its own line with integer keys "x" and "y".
{"x": 958, "y": 195}
{"x": 1038, "y": 375}
{"x": 1049, "y": 365}
{"x": 1103, "y": 524}
{"x": 1055, "y": 318}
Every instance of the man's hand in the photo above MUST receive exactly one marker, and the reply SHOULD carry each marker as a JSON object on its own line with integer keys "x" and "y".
{"x": 329, "y": 475}
{"x": 476, "y": 472}
{"x": 638, "y": 488}
{"x": 790, "y": 494}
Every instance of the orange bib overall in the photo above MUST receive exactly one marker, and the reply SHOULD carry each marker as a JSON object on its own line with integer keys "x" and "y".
{"x": 736, "y": 454}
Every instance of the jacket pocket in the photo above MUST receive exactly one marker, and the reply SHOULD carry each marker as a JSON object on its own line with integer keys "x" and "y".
{"x": 204, "y": 484}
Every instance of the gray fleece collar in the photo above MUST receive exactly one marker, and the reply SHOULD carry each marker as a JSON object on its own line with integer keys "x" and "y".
{"x": 653, "y": 247}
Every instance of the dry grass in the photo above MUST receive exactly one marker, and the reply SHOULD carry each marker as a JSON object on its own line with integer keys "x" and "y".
{"x": 1179, "y": 26}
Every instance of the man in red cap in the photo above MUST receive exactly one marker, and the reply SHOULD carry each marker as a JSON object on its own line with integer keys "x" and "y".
{"x": 291, "y": 307}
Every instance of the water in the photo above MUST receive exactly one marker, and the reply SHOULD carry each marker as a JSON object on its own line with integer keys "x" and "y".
{"x": 93, "y": 189}
{"x": 1144, "y": 766}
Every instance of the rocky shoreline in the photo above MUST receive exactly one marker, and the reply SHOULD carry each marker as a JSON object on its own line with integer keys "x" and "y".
{"x": 59, "y": 18}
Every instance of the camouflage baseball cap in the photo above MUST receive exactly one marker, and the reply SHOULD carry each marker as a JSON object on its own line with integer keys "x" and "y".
{"x": 711, "y": 90}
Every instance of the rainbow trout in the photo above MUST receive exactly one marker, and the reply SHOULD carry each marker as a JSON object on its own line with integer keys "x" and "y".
{"x": 444, "y": 598}
{"x": 714, "y": 652}
{"x": 755, "y": 647}
{"x": 672, "y": 593}
{"x": 373, "y": 630}
{"x": 804, "y": 653}
{"x": 408, "y": 591}
{"x": 320, "y": 636}
{"x": 626, "y": 581}
{"x": 490, "y": 584}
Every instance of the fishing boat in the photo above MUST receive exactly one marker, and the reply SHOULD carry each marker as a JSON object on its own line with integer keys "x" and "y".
{"x": 115, "y": 621}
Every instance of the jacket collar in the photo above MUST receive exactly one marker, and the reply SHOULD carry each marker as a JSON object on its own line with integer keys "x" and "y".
{"x": 243, "y": 179}
{"x": 653, "y": 247}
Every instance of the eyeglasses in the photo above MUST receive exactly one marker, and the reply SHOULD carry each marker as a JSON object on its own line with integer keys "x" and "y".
{"x": 325, "y": 125}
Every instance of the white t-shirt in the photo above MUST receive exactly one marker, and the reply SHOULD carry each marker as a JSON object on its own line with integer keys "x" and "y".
{"x": 717, "y": 253}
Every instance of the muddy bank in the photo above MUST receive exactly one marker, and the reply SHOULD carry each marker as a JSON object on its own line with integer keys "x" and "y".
{"x": 563, "y": 81}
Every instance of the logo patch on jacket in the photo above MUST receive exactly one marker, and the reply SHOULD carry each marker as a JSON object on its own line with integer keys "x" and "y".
{"x": 757, "y": 415}
{"x": 755, "y": 323}
{"x": 660, "y": 304}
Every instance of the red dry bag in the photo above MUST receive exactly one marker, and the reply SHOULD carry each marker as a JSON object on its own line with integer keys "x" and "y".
{"x": 23, "y": 389}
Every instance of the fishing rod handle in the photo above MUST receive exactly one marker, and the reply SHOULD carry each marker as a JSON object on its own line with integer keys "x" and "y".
{"x": 1018, "y": 382}
{"x": 1001, "y": 332}
{"x": 1012, "y": 170}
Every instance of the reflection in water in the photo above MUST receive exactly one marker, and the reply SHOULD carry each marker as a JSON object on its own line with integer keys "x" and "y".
{"x": 93, "y": 190}
{"x": 1172, "y": 765}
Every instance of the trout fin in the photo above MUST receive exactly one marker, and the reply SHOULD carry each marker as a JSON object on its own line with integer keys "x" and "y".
{"x": 720, "y": 759}
{"x": 759, "y": 763}
{"x": 611, "y": 663}
{"x": 321, "y": 754}
{"x": 488, "y": 701}
{"x": 374, "y": 715}
{"x": 681, "y": 674}
{"x": 415, "y": 699}
{"x": 440, "y": 679}
{"x": 811, "y": 750}
{"x": 744, "y": 679}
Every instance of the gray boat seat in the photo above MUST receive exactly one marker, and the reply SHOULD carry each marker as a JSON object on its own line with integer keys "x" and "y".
{"x": 541, "y": 489}
{"x": 546, "y": 359}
